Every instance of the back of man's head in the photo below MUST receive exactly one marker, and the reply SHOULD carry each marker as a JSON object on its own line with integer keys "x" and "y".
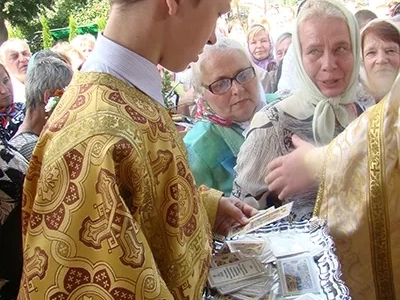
{"x": 47, "y": 74}
{"x": 364, "y": 16}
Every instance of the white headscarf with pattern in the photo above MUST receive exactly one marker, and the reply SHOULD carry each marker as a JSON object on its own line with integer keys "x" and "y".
{"x": 309, "y": 99}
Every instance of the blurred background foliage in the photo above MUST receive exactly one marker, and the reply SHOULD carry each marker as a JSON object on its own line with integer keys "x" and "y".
{"x": 24, "y": 18}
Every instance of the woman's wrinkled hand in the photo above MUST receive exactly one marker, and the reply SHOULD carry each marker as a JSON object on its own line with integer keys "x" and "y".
{"x": 232, "y": 211}
{"x": 290, "y": 174}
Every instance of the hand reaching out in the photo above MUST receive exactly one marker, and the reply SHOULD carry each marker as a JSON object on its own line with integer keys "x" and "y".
{"x": 232, "y": 211}
{"x": 291, "y": 174}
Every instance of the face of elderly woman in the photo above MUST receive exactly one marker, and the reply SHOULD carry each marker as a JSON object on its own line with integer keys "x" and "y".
{"x": 282, "y": 48}
{"x": 240, "y": 101}
{"x": 381, "y": 61}
{"x": 327, "y": 54}
{"x": 6, "y": 93}
{"x": 259, "y": 45}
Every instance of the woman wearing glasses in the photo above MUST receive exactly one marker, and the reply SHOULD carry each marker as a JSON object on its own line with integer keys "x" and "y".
{"x": 326, "y": 45}
{"x": 230, "y": 94}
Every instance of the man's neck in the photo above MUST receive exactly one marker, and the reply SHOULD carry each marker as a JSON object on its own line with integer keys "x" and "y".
{"x": 139, "y": 39}
{"x": 34, "y": 122}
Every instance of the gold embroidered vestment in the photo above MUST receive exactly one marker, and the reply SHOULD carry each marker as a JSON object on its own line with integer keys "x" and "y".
{"x": 110, "y": 208}
{"x": 359, "y": 197}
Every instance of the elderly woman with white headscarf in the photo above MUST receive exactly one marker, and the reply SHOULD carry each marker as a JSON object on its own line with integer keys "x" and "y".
{"x": 327, "y": 48}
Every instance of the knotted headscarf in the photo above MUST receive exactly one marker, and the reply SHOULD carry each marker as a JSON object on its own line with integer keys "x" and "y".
{"x": 309, "y": 99}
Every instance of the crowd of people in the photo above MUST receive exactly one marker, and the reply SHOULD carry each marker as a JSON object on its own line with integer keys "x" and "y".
{"x": 101, "y": 195}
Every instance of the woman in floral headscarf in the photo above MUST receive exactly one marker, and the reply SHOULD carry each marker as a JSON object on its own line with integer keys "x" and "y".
{"x": 11, "y": 114}
{"x": 230, "y": 95}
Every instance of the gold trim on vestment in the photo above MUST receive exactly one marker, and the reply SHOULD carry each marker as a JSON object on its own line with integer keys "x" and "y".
{"x": 379, "y": 226}
{"x": 322, "y": 176}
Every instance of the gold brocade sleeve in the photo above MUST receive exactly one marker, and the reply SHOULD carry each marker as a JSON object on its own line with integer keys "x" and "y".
{"x": 89, "y": 240}
{"x": 314, "y": 161}
{"x": 210, "y": 198}
{"x": 360, "y": 171}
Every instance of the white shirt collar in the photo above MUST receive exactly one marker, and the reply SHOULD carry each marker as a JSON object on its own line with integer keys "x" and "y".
{"x": 110, "y": 57}
{"x": 18, "y": 90}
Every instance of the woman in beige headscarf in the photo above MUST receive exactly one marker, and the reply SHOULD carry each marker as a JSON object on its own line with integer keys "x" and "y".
{"x": 327, "y": 49}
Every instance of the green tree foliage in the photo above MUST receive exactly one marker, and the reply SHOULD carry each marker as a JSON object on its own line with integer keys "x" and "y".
{"x": 92, "y": 12}
{"x": 57, "y": 13}
{"x": 166, "y": 87}
{"x": 46, "y": 35}
{"x": 21, "y": 12}
{"x": 287, "y": 3}
{"x": 26, "y": 13}
{"x": 73, "y": 28}
{"x": 14, "y": 32}
{"x": 101, "y": 23}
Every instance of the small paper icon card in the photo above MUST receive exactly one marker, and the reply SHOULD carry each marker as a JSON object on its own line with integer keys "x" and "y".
{"x": 298, "y": 275}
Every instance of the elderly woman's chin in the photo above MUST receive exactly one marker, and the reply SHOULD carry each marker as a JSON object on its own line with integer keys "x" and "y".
{"x": 243, "y": 111}
{"x": 239, "y": 111}
{"x": 5, "y": 101}
{"x": 260, "y": 55}
{"x": 380, "y": 83}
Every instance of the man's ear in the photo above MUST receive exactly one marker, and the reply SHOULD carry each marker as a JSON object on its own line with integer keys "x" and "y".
{"x": 172, "y": 6}
{"x": 46, "y": 96}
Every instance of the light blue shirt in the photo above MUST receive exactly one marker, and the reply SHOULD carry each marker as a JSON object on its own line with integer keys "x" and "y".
{"x": 110, "y": 57}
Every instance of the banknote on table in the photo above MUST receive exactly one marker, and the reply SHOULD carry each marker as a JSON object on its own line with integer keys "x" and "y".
{"x": 261, "y": 219}
{"x": 236, "y": 271}
{"x": 248, "y": 247}
{"x": 226, "y": 258}
{"x": 224, "y": 249}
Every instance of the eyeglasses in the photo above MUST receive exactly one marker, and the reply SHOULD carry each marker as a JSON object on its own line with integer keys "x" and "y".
{"x": 222, "y": 86}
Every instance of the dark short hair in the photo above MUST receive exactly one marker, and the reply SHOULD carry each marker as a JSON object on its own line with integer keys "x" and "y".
{"x": 383, "y": 30}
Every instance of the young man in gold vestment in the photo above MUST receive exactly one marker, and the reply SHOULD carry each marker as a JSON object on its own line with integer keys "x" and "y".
{"x": 359, "y": 195}
{"x": 110, "y": 206}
